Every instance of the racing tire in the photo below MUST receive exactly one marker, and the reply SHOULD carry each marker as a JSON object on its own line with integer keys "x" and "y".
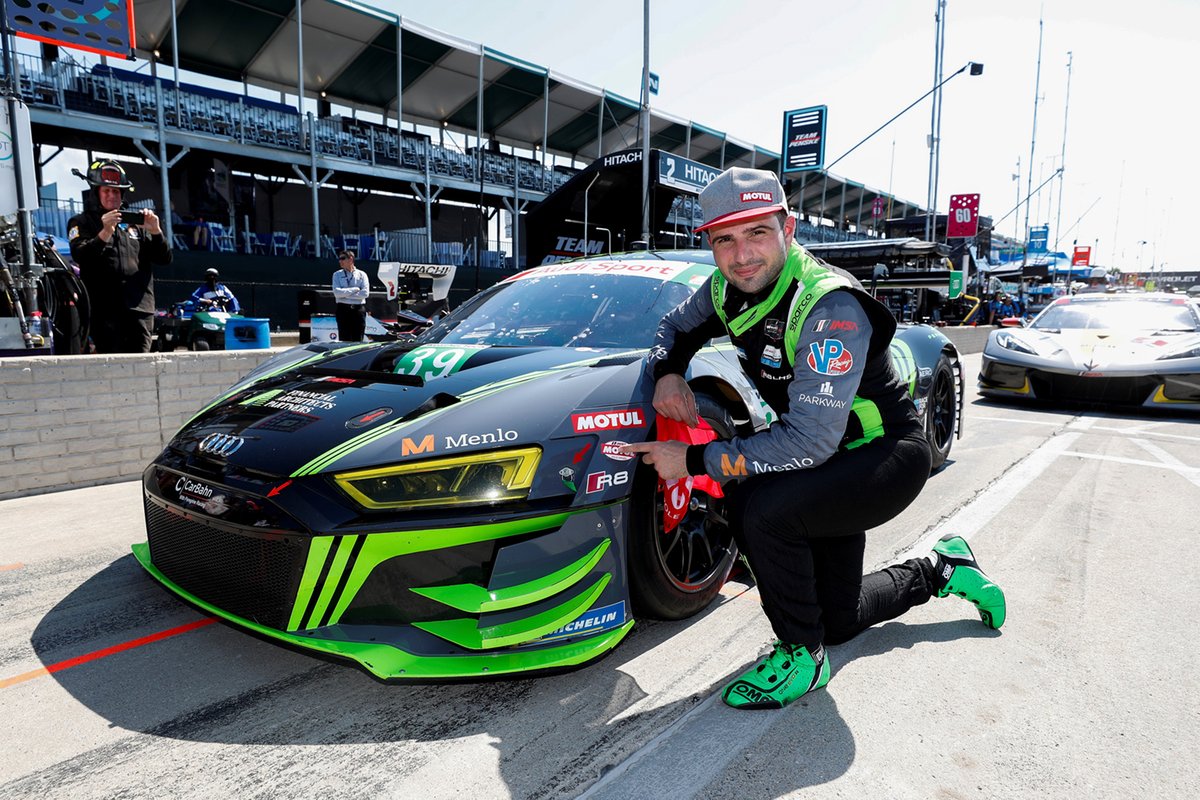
{"x": 200, "y": 343}
{"x": 941, "y": 413}
{"x": 677, "y": 575}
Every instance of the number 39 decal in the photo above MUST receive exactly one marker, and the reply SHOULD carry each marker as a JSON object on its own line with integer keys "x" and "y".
{"x": 434, "y": 361}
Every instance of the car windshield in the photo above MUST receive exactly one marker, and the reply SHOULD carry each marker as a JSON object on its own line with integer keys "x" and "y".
{"x": 1134, "y": 315}
{"x": 564, "y": 310}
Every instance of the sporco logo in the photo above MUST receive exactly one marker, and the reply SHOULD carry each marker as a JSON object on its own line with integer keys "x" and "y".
{"x": 830, "y": 357}
{"x": 222, "y": 445}
{"x": 750, "y": 197}
{"x": 608, "y": 420}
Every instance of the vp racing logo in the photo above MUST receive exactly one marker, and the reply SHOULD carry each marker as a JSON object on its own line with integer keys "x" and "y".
{"x": 830, "y": 357}
{"x": 221, "y": 445}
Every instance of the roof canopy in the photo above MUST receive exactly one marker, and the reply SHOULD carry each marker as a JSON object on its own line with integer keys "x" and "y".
{"x": 351, "y": 53}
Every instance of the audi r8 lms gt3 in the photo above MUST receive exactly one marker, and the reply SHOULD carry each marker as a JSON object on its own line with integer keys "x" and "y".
{"x": 460, "y": 505}
{"x": 1125, "y": 349}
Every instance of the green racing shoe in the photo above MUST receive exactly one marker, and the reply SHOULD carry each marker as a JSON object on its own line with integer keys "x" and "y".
{"x": 958, "y": 573}
{"x": 785, "y": 674}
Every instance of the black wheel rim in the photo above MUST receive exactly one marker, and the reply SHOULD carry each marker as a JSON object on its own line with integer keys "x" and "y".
{"x": 942, "y": 410}
{"x": 698, "y": 548}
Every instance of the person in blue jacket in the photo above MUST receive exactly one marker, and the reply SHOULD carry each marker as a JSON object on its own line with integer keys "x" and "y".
{"x": 212, "y": 295}
{"x": 846, "y": 453}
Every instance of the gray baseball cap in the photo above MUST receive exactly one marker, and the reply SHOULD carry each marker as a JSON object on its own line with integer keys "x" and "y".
{"x": 739, "y": 194}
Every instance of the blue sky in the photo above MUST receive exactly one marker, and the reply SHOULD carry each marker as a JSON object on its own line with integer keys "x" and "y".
{"x": 737, "y": 67}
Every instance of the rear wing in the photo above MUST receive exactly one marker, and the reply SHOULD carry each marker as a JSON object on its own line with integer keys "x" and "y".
{"x": 442, "y": 276}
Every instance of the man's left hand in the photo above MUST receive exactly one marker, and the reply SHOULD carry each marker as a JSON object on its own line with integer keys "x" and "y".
{"x": 152, "y": 223}
{"x": 668, "y": 458}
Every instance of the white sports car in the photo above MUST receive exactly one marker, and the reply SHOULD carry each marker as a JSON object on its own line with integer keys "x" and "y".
{"x": 1125, "y": 349}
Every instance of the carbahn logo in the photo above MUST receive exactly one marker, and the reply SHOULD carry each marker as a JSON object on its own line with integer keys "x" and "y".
{"x": 221, "y": 445}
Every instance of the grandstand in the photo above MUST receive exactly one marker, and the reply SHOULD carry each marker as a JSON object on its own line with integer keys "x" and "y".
{"x": 356, "y": 128}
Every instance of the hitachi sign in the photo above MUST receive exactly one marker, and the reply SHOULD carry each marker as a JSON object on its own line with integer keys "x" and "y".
{"x": 623, "y": 158}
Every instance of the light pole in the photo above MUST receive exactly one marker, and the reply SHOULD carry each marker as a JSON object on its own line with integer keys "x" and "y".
{"x": 935, "y": 117}
{"x": 1141, "y": 251}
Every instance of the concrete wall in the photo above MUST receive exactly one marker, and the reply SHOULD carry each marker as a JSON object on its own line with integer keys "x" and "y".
{"x": 71, "y": 421}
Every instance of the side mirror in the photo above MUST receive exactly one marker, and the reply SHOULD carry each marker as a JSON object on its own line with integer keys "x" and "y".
{"x": 1012, "y": 322}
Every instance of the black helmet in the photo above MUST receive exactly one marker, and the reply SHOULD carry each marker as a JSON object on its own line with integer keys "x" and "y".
{"x": 107, "y": 172}
{"x": 211, "y": 272}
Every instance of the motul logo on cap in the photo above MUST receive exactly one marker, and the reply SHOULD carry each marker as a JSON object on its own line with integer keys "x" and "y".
{"x": 750, "y": 197}
{"x": 608, "y": 420}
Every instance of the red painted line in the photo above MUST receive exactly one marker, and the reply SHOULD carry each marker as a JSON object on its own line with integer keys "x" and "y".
{"x": 5, "y": 567}
{"x": 107, "y": 651}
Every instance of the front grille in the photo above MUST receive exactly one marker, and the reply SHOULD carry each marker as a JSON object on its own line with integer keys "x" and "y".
{"x": 253, "y": 577}
{"x": 1050, "y": 385}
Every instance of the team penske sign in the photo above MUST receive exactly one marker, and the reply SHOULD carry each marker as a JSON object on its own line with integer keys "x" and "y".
{"x": 804, "y": 139}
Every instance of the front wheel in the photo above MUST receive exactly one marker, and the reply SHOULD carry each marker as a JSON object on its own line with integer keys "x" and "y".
{"x": 676, "y": 575}
{"x": 941, "y": 411}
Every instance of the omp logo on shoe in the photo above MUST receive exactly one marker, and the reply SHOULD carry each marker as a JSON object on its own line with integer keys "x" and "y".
{"x": 947, "y": 571}
{"x": 750, "y": 197}
{"x": 750, "y": 693}
{"x": 608, "y": 420}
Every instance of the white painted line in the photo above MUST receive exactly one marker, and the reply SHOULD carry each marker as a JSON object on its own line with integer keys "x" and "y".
{"x": 1019, "y": 420}
{"x": 1178, "y": 466}
{"x": 1190, "y": 473}
{"x": 979, "y": 512}
{"x": 1142, "y": 432}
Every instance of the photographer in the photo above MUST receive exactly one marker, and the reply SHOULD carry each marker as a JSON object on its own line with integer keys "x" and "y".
{"x": 116, "y": 252}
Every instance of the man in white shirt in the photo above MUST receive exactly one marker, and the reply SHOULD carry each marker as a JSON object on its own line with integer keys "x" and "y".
{"x": 350, "y": 291}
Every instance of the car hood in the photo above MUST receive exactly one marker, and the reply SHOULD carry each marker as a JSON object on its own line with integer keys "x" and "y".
{"x": 331, "y": 414}
{"x": 1105, "y": 348}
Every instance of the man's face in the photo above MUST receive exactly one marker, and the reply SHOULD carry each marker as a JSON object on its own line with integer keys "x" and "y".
{"x": 346, "y": 262}
{"x": 110, "y": 198}
{"x": 751, "y": 254}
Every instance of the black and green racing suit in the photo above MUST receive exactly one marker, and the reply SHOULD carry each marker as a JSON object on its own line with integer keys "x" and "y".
{"x": 844, "y": 452}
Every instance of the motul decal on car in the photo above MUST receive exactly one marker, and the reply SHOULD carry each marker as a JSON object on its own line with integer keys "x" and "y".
{"x": 614, "y": 450}
{"x": 608, "y": 420}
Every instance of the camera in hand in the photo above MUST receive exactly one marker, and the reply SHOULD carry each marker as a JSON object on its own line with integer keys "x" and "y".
{"x": 133, "y": 218}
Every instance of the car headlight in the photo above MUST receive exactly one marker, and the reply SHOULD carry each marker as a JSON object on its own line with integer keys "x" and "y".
{"x": 1010, "y": 342}
{"x": 476, "y": 479}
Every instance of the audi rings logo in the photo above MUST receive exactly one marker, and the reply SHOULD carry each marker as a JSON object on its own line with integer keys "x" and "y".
{"x": 221, "y": 444}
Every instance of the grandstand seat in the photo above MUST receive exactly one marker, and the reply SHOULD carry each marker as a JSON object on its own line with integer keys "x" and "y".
{"x": 327, "y": 248}
{"x": 221, "y": 238}
{"x": 253, "y": 243}
{"x": 281, "y": 244}
{"x": 349, "y": 242}
{"x": 179, "y": 242}
{"x": 381, "y": 249}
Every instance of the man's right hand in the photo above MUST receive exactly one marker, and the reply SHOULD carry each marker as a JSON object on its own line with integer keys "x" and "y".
{"x": 109, "y": 220}
{"x": 673, "y": 399}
